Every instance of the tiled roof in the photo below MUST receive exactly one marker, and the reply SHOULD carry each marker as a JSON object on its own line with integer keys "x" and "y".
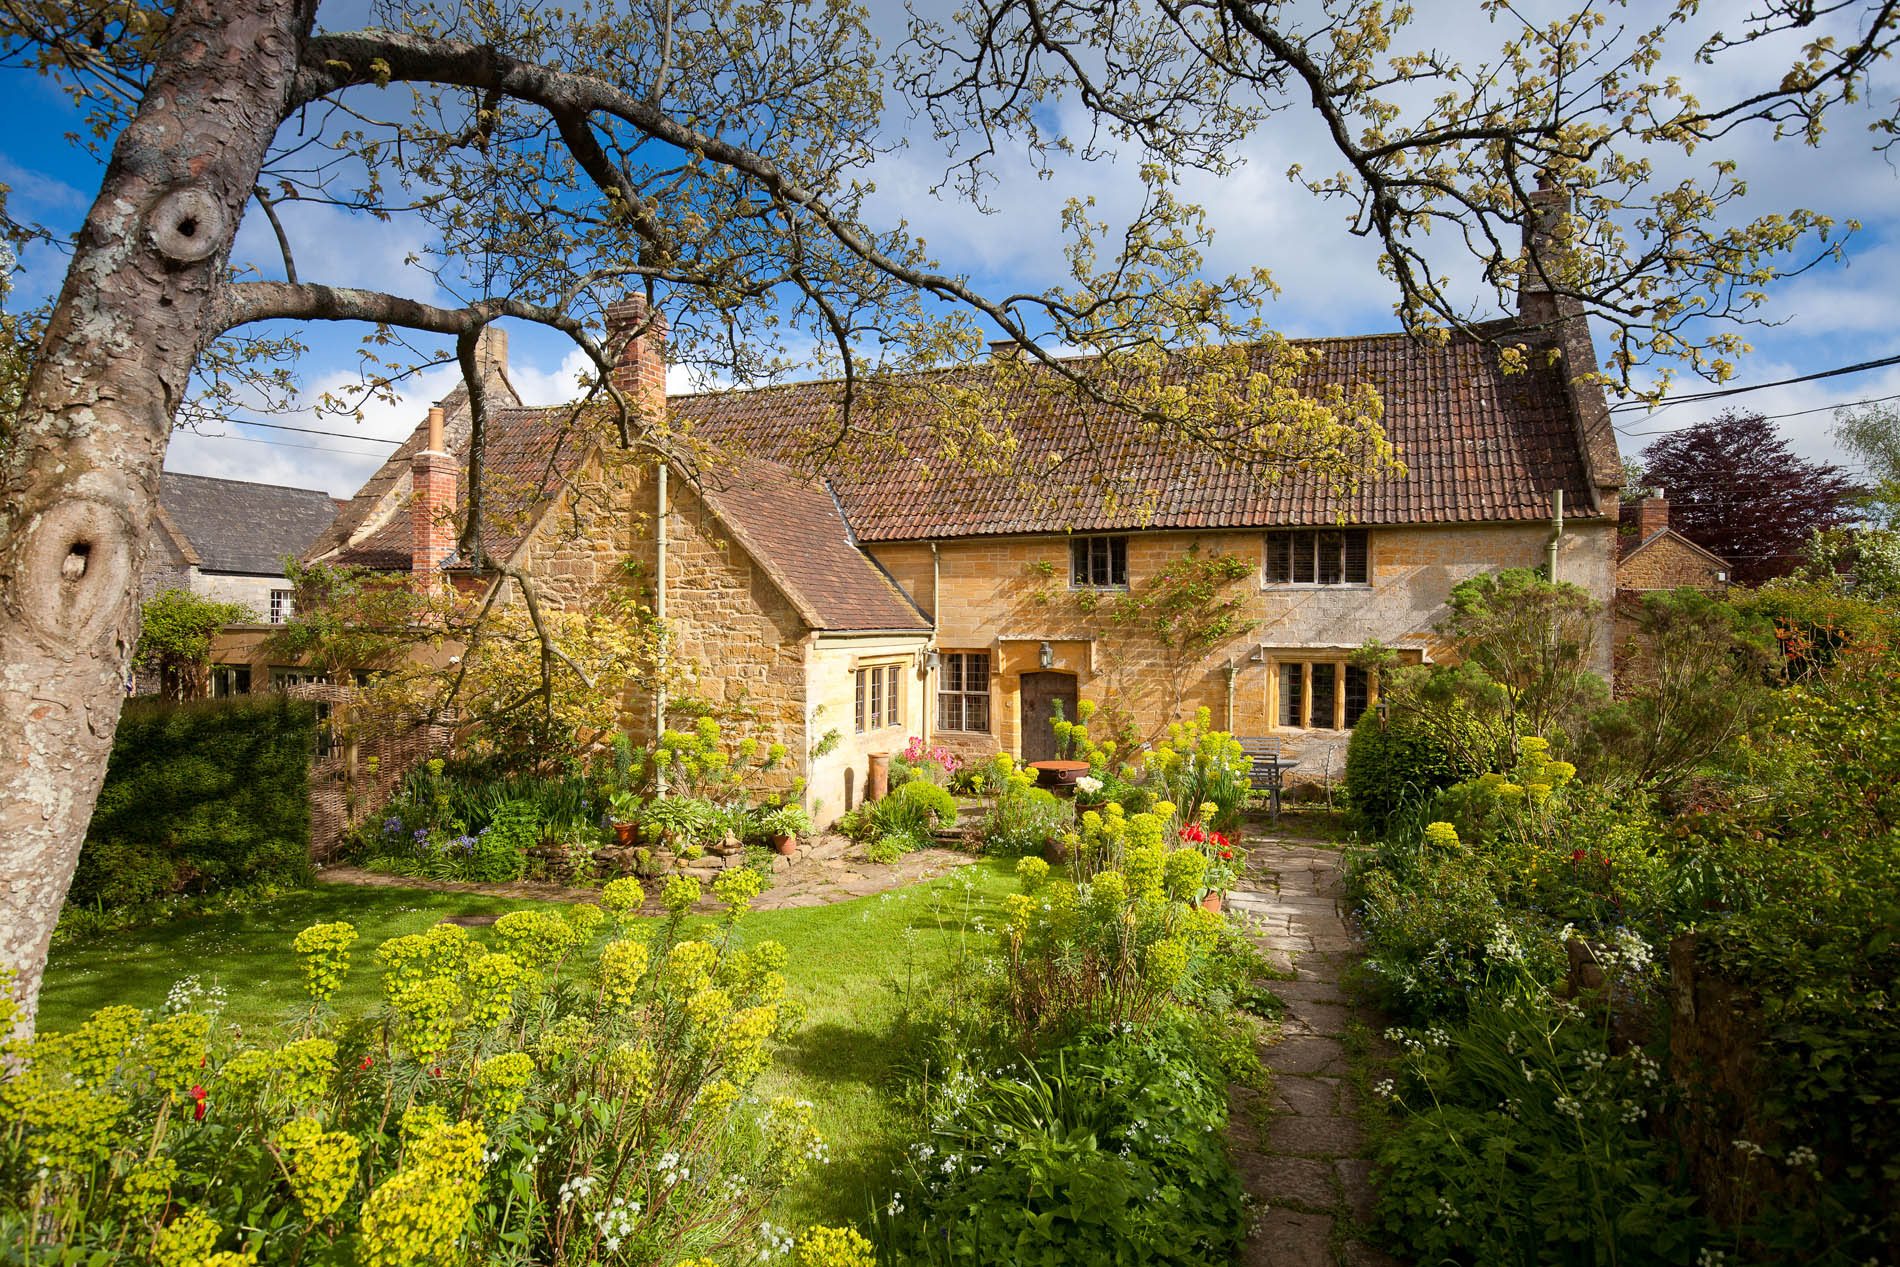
{"x": 1479, "y": 445}
{"x": 234, "y": 526}
{"x": 791, "y": 525}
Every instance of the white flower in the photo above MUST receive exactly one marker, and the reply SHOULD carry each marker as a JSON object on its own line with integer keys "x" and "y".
{"x": 1088, "y": 783}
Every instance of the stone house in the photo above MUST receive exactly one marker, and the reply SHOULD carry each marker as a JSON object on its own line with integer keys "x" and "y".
{"x": 1652, "y": 556}
{"x": 226, "y": 540}
{"x": 878, "y": 596}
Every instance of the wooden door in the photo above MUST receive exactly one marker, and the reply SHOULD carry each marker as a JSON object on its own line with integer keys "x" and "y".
{"x": 1041, "y": 692}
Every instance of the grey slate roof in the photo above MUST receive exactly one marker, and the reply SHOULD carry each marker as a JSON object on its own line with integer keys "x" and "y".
{"x": 234, "y": 526}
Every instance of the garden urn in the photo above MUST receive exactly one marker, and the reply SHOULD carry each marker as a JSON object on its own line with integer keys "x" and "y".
{"x": 785, "y": 844}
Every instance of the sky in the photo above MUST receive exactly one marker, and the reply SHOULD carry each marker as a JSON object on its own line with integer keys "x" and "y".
{"x": 1838, "y": 314}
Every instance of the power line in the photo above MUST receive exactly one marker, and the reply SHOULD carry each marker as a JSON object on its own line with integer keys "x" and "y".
{"x": 341, "y": 435}
{"x": 1793, "y": 413}
{"x": 283, "y": 444}
{"x": 1741, "y": 391}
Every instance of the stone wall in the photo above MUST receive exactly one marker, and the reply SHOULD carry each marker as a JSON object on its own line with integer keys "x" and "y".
{"x": 1008, "y": 596}
{"x": 1667, "y": 563}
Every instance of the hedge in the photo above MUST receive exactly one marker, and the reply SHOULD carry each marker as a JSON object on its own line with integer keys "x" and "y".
{"x": 199, "y": 797}
{"x": 1402, "y": 759}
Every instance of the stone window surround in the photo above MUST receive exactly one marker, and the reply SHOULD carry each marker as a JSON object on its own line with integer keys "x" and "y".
{"x": 878, "y": 690}
{"x": 987, "y": 694}
{"x": 1276, "y": 657}
{"x": 1082, "y": 559}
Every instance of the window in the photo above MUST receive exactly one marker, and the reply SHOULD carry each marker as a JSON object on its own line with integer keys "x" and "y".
{"x": 963, "y": 692}
{"x": 1323, "y": 694}
{"x": 875, "y": 702}
{"x": 230, "y": 679}
{"x": 1098, "y": 561}
{"x": 287, "y": 675}
{"x": 1325, "y": 556}
{"x": 280, "y": 606}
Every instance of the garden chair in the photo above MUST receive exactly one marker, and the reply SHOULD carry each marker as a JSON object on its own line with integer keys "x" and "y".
{"x": 1265, "y": 767}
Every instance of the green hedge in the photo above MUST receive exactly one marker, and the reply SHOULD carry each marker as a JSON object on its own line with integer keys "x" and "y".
{"x": 200, "y": 797}
{"x": 1403, "y": 759}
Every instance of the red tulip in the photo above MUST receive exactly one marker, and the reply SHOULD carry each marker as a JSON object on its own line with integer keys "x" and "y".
{"x": 367, "y": 1062}
{"x": 198, "y": 1112}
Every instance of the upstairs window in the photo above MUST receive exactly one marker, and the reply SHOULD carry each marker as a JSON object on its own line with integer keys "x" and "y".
{"x": 281, "y": 607}
{"x": 1317, "y": 556}
{"x": 1098, "y": 562}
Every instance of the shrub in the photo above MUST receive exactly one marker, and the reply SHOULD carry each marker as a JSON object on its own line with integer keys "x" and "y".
{"x": 1110, "y": 1149}
{"x": 200, "y": 797}
{"x": 520, "y": 1101}
{"x": 1025, "y": 818}
{"x": 1405, "y": 757}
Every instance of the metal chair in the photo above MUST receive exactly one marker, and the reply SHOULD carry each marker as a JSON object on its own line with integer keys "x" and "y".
{"x": 1264, "y": 775}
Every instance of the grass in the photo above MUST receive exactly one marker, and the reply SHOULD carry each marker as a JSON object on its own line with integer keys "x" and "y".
{"x": 850, "y": 965}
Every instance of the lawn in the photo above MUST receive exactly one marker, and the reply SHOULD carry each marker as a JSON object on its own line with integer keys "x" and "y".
{"x": 847, "y": 965}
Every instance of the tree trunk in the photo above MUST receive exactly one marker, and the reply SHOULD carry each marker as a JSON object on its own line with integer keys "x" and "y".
{"x": 137, "y": 308}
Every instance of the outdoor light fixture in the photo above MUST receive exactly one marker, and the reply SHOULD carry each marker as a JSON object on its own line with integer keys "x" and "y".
{"x": 1046, "y": 656}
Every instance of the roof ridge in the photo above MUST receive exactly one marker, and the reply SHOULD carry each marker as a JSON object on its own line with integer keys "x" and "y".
{"x": 225, "y": 479}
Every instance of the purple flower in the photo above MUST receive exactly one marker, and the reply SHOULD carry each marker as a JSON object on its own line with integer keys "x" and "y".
{"x": 392, "y": 826}
{"x": 422, "y": 834}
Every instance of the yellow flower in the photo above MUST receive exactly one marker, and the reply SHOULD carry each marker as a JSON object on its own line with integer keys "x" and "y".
{"x": 1166, "y": 964}
{"x": 503, "y": 1081}
{"x": 186, "y": 1240}
{"x": 708, "y": 1009}
{"x": 585, "y": 917}
{"x": 326, "y": 957}
{"x": 307, "y": 1065}
{"x": 1441, "y": 835}
{"x": 1560, "y": 773}
{"x": 321, "y": 1166}
{"x": 425, "y": 1017}
{"x": 69, "y": 1130}
{"x": 102, "y": 1041}
{"x": 492, "y": 982}
{"x": 622, "y": 896}
{"x": 679, "y": 894}
{"x": 146, "y": 1188}
{"x": 417, "y": 1214}
{"x": 536, "y": 938}
{"x": 632, "y": 1069}
{"x": 622, "y": 964}
{"x": 1032, "y": 872}
{"x": 736, "y": 887}
{"x": 689, "y": 966}
{"x": 834, "y": 1247}
{"x": 175, "y": 1049}
{"x": 1184, "y": 871}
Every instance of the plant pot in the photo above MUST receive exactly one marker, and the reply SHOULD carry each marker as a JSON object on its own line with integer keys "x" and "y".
{"x": 1055, "y": 851}
{"x": 627, "y": 833}
{"x": 785, "y": 844}
{"x": 1212, "y": 902}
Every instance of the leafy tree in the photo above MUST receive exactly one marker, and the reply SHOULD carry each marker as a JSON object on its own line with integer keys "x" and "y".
{"x": 1871, "y": 435}
{"x": 1694, "y": 679}
{"x": 175, "y": 632}
{"x": 1739, "y": 492}
{"x": 712, "y": 156}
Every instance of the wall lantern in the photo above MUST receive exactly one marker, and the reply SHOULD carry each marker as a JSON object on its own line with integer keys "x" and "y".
{"x": 1046, "y": 656}
{"x": 932, "y": 661}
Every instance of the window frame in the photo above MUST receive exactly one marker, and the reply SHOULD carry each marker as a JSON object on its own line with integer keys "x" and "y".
{"x": 959, "y": 663}
{"x": 1113, "y": 562}
{"x": 1342, "y": 676}
{"x": 1300, "y": 564}
{"x": 282, "y": 606}
{"x": 877, "y": 693}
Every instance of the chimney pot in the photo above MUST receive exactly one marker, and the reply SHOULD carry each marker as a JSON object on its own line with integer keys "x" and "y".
{"x": 640, "y": 372}
{"x": 435, "y": 429}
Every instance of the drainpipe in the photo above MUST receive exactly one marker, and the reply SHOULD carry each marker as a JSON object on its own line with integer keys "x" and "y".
{"x": 1232, "y": 669}
{"x": 1556, "y": 533}
{"x": 659, "y": 611}
{"x": 929, "y": 729}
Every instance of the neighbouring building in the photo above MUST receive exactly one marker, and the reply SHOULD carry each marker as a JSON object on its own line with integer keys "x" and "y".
{"x": 1653, "y": 556}
{"x": 888, "y": 597}
{"x": 226, "y": 540}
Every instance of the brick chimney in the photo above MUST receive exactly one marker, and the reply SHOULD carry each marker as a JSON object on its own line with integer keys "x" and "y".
{"x": 1652, "y": 516}
{"x": 1546, "y": 205}
{"x": 641, "y": 372}
{"x": 431, "y": 503}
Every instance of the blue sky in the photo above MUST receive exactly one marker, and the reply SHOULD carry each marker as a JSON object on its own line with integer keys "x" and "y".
{"x": 1836, "y": 315}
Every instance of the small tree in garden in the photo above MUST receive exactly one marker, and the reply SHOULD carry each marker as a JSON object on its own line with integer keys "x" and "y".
{"x": 1164, "y": 626}
{"x": 1525, "y": 646}
{"x": 175, "y": 630}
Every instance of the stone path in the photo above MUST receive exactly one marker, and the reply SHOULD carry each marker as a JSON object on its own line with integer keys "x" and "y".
{"x": 1299, "y": 1147}
{"x": 829, "y": 871}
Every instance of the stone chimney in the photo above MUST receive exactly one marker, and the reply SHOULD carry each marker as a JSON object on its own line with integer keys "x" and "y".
{"x": 1536, "y": 305}
{"x": 1652, "y": 516}
{"x": 432, "y": 502}
{"x": 641, "y": 372}
{"x": 491, "y": 351}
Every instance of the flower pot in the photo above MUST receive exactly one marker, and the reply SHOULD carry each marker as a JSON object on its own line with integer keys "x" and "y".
{"x": 1055, "y": 851}
{"x": 785, "y": 844}
{"x": 1212, "y": 902}
{"x": 627, "y": 833}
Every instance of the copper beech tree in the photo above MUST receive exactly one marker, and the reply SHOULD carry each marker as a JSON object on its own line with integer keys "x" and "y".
{"x": 717, "y": 156}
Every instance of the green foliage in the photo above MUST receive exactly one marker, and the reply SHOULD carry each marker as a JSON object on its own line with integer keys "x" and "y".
{"x": 515, "y": 1101}
{"x": 1402, "y": 755}
{"x": 1025, "y": 818}
{"x": 175, "y": 628}
{"x": 200, "y": 797}
{"x": 1523, "y": 1142}
{"x": 1525, "y": 645}
{"x": 1109, "y": 1149}
{"x": 1694, "y": 680}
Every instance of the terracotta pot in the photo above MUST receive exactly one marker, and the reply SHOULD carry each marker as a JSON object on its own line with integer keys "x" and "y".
{"x": 627, "y": 833}
{"x": 785, "y": 844}
{"x": 1055, "y": 851}
{"x": 1212, "y": 902}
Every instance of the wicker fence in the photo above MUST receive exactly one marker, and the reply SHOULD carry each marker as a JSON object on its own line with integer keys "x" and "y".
{"x": 361, "y": 757}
